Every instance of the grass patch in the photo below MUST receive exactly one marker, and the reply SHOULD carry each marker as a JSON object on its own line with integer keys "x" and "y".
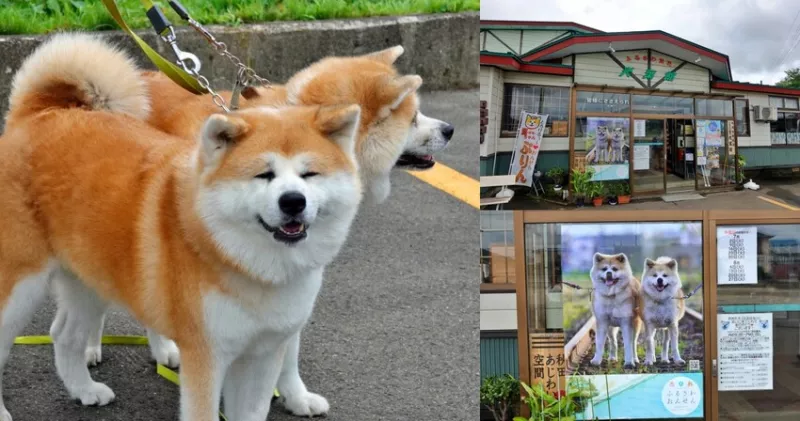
{"x": 43, "y": 16}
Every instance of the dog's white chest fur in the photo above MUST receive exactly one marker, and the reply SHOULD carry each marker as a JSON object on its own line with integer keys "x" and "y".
{"x": 258, "y": 314}
{"x": 614, "y": 308}
{"x": 660, "y": 314}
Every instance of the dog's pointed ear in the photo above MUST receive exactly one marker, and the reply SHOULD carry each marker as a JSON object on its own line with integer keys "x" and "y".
{"x": 598, "y": 257}
{"x": 649, "y": 263}
{"x": 388, "y": 55}
{"x": 220, "y": 132}
{"x": 402, "y": 87}
{"x": 340, "y": 123}
{"x": 621, "y": 258}
{"x": 672, "y": 264}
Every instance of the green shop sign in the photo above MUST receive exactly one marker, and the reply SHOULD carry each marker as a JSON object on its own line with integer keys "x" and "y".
{"x": 649, "y": 74}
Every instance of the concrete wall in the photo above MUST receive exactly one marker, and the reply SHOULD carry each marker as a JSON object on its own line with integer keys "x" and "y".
{"x": 442, "y": 48}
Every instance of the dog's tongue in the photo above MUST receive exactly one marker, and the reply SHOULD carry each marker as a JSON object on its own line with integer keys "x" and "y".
{"x": 426, "y": 157}
{"x": 609, "y": 282}
{"x": 292, "y": 228}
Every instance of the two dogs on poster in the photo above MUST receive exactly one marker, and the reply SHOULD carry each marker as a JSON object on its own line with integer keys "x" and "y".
{"x": 655, "y": 303}
{"x": 606, "y": 140}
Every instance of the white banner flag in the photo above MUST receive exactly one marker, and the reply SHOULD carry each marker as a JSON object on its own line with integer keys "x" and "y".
{"x": 526, "y": 148}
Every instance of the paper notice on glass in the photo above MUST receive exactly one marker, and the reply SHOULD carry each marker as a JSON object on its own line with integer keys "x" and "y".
{"x": 639, "y": 128}
{"x": 736, "y": 256}
{"x": 641, "y": 157}
{"x": 701, "y": 160}
{"x": 745, "y": 351}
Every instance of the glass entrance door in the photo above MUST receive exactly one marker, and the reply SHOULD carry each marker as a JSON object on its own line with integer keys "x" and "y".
{"x": 756, "y": 331}
{"x": 648, "y": 167}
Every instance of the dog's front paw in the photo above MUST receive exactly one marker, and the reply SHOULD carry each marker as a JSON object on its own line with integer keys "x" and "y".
{"x": 629, "y": 365}
{"x": 678, "y": 361}
{"x": 166, "y": 353}
{"x": 96, "y": 394}
{"x": 649, "y": 361}
{"x": 612, "y": 358}
{"x": 596, "y": 361}
{"x": 94, "y": 356}
{"x": 307, "y": 405}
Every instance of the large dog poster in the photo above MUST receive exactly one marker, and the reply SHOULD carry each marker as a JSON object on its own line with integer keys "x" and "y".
{"x": 737, "y": 259}
{"x": 633, "y": 318}
{"x": 744, "y": 346}
{"x": 608, "y": 147}
{"x": 526, "y": 147}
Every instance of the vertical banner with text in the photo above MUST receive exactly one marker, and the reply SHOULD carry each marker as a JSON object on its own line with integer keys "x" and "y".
{"x": 526, "y": 147}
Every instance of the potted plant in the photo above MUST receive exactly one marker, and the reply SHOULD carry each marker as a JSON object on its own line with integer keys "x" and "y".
{"x": 612, "y": 193}
{"x": 561, "y": 405}
{"x": 581, "y": 183}
{"x": 499, "y": 394}
{"x": 623, "y": 192}
{"x": 596, "y": 192}
{"x": 740, "y": 174}
{"x": 557, "y": 175}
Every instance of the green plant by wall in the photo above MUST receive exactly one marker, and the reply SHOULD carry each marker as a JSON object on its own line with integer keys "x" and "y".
{"x": 499, "y": 394}
{"x": 581, "y": 181}
{"x": 557, "y": 175}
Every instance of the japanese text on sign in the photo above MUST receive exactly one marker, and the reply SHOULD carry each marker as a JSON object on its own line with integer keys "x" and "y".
{"x": 745, "y": 351}
{"x": 736, "y": 256}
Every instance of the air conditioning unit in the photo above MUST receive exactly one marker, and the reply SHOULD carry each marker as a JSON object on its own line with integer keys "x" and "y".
{"x": 765, "y": 113}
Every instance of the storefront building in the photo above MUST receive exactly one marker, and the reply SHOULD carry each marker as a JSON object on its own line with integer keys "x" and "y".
{"x": 667, "y": 110}
{"x": 736, "y": 272}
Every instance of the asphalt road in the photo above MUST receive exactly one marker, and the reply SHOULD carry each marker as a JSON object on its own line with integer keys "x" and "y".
{"x": 394, "y": 335}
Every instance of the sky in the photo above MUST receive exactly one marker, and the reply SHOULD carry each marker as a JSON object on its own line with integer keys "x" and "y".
{"x": 761, "y": 37}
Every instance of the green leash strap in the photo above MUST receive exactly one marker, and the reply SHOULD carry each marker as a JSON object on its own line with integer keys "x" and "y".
{"x": 162, "y": 371}
{"x": 172, "y": 71}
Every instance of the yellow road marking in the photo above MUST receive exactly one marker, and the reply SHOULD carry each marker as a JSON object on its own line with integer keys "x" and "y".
{"x": 452, "y": 182}
{"x": 777, "y": 203}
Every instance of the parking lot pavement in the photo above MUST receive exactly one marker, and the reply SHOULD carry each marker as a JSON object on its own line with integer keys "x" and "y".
{"x": 394, "y": 335}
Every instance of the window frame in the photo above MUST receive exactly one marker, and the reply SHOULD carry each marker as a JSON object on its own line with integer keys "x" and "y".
{"x": 745, "y": 117}
{"x": 506, "y": 111}
{"x": 508, "y": 241}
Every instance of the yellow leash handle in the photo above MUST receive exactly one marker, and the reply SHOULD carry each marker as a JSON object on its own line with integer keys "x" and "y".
{"x": 174, "y": 72}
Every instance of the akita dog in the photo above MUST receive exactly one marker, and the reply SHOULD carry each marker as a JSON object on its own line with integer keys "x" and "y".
{"x": 662, "y": 307}
{"x": 617, "y": 139}
{"x": 219, "y": 245}
{"x": 615, "y": 305}
{"x": 393, "y": 133}
{"x": 601, "y": 144}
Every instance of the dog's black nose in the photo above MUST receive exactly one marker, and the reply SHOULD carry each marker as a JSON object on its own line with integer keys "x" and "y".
{"x": 292, "y": 203}
{"x": 659, "y": 281}
{"x": 447, "y": 131}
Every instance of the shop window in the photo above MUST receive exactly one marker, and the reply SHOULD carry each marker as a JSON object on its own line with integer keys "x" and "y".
{"x": 714, "y": 107}
{"x": 553, "y": 101}
{"x": 497, "y": 247}
{"x": 565, "y": 276}
{"x": 783, "y": 102}
{"x": 764, "y": 286}
{"x": 742, "y": 117}
{"x": 785, "y": 130}
{"x": 603, "y": 102}
{"x": 655, "y": 104}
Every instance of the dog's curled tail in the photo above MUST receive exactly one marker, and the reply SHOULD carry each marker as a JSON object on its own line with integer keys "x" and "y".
{"x": 77, "y": 70}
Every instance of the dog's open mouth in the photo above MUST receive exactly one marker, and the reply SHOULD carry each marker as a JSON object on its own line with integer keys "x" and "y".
{"x": 610, "y": 282}
{"x": 290, "y": 232}
{"x": 414, "y": 161}
{"x": 661, "y": 288}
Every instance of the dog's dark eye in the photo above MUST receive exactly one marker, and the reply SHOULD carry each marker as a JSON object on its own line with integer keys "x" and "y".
{"x": 605, "y": 267}
{"x": 309, "y": 174}
{"x": 614, "y": 269}
{"x": 655, "y": 275}
{"x": 269, "y": 175}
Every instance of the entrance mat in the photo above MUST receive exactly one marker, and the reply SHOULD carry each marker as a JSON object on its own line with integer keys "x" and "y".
{"x": 679, "y": 197}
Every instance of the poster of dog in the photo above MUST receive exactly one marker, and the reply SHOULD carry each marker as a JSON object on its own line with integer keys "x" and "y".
{"x": 624, "y": 294}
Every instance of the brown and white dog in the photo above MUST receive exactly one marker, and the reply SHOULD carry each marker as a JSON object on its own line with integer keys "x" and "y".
{"x": 393, "y": 133}
{"x": 615, "y": 305}
{"x": 219, "y": 244}
{"x": 662, "y": 308}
